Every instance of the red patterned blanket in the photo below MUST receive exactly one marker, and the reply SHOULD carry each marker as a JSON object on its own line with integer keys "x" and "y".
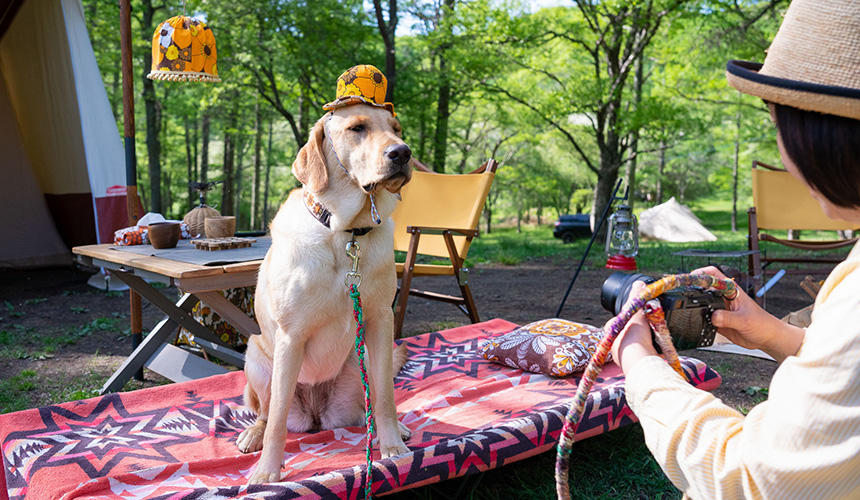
{"x": 177, "y": 441}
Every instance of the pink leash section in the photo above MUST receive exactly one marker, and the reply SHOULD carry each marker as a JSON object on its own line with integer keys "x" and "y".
{"x": 657, "y": 320}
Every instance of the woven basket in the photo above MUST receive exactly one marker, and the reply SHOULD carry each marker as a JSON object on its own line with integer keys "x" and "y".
{"x": 194, "y": 219}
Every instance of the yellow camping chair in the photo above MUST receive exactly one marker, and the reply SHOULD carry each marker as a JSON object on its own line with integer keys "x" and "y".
{"x": 781, "y": 202}
{"x": 438, "y": 217}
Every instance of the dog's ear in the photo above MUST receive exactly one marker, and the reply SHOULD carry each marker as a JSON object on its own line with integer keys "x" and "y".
{"x": 310, "y": 166}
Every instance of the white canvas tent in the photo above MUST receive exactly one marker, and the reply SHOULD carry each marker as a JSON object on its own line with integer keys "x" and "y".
{"x": 671, "y": 221}
{"x": 61, "y": 157}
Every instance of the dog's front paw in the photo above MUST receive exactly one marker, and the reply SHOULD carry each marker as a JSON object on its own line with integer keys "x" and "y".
{"x": 405, "y": 433}
{"x": 251, "y": 439}
{"x": 393, "y": 449}
{"x": 263, "y": 477}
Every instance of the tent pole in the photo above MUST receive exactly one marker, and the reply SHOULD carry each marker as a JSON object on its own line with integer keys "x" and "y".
{"x": 130, "y": 159}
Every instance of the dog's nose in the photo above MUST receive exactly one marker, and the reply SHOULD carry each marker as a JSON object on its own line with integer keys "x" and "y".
{"x": 398, "y": 153}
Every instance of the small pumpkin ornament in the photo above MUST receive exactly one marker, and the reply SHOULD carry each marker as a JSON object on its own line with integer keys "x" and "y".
{"x": 196, "y": 217}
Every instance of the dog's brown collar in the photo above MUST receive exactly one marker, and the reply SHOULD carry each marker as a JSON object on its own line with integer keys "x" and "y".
{"x": 322, "y": 214}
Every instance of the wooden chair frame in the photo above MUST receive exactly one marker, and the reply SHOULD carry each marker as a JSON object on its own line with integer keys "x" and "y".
{"x": 465, "y": 302}
{"x": 758, "y": 262}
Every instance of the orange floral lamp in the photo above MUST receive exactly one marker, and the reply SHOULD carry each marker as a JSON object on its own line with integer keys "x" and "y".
{"x": 183, "y": 49}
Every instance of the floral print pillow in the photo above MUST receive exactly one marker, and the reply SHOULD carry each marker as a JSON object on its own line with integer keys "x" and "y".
{"x": 555, "y": 347}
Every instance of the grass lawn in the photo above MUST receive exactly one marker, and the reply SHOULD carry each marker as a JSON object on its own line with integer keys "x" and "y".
{"x": 507, "y": 246}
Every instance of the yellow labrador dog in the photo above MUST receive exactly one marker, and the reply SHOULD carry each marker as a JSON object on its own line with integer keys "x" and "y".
{"x": 302, "y": 373}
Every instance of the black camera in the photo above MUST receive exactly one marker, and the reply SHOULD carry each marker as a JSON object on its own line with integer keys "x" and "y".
{"x": 688, "y": 310}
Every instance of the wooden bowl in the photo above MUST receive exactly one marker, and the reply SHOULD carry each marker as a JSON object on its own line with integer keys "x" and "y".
{"x": 220, "y": 227}
{"x": 163, "y": 234}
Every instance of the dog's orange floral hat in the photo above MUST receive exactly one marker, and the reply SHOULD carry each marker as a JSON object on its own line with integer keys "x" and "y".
{"x": 362, "y": 84}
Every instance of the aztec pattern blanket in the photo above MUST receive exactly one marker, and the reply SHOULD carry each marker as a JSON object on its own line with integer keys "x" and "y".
{"x": 177, "y": 441}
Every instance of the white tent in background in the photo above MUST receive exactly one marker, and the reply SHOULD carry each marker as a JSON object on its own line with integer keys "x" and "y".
{"x": 61, "y": 157}
{"x": 671, "y": 221}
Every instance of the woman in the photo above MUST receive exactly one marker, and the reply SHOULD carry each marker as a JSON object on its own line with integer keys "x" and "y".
{"x": 804, "y": 441}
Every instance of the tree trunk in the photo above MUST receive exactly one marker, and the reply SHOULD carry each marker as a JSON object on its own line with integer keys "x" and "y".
{"x": 387, "y": 31}
{"x": 240, "y": 163}
{"x": 189, "y": 162}
{"x": 610, "y": 162}
{"x": 467, "y": 143}
{"x": 682, "y": 188}
{"x": 266, "y": 183}
{"x": 255, "y": 190}
{"x": 227, "y": 192}
{"x": 607, "y": 127}
{"x": 168, "y": 195}
{"x": 226, "y": 207}
{"x": 519, "y": 216}
{"x": 660, "y": 170}
{"x": 153, "y": 113}
{"x": 488, "y": 211}
{"x": 443, "y": 102}
{"x": 194, "y": 138}
{"x": 440, "y": 138}
{"x": 304, "y": 117}
{"x": 422, "y": 133}
{"x": 204, "y": 148}
{"x": 735, "y": 170}
{"x": 115, "y": 92}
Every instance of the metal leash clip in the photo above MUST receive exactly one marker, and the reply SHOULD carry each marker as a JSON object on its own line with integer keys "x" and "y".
{"x": 353, "y": 277}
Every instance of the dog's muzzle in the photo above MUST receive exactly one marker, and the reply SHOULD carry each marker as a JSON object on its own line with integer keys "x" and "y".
{"x": 399, "y": 154}
{"x": 396, "y": 168}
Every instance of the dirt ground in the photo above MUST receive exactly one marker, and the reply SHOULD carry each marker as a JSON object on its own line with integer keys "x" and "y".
{"x": 72, "y": 335}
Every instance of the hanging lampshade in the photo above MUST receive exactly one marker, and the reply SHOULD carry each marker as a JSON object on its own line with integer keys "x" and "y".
{"x": 183, "y": 49}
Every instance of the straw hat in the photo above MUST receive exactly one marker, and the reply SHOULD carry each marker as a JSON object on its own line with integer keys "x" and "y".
{"x": 813, "y": 63}
{"x": 362, "y": 84}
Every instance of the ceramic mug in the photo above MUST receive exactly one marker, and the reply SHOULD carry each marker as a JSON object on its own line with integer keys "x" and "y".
{"x": 221, "y": 226}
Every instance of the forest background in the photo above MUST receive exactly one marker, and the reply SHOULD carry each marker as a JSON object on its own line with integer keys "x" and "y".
{"x": 567, "y": 96}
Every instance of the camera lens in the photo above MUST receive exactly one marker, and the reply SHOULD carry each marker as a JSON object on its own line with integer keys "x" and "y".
{"x": 616, "y": 289}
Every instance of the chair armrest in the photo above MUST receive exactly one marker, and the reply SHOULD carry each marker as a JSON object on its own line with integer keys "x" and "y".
{"x": 489, "y": 165}
{"x": 764, "y": 165}
{"x": 808, "y": 245}
{"x": 441, "y": 230}
{"x": 418, "y": 165}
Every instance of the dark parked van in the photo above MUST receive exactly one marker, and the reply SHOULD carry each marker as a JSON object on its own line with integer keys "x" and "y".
{"x": 572, "y": 226}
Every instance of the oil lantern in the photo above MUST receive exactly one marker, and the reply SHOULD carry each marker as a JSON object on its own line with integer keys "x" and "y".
{"x": 622, "y": 240}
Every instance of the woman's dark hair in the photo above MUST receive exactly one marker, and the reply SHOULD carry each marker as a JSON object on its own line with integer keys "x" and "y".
{"x": 826, "y": 150}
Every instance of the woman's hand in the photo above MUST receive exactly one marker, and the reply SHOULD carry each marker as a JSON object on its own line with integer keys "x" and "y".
{"x": 634, "y": 341}
{"x": 748, "y": 325}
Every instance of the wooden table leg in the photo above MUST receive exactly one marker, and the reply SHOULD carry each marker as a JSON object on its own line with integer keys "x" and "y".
{"x": 136, "y": 326}
{"x": 228, "y": 311}
{"x": 174, "y": 363}
{"x": 163, "y": 332}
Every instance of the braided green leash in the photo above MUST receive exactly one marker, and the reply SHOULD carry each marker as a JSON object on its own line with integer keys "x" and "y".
{"x": 352, "y": 281}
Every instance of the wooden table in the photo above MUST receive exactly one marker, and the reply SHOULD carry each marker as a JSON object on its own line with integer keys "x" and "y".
{"x": 196, "y": 282}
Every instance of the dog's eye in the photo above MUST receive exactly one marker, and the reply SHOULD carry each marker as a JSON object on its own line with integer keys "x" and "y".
{"x": 357, "y": 128}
